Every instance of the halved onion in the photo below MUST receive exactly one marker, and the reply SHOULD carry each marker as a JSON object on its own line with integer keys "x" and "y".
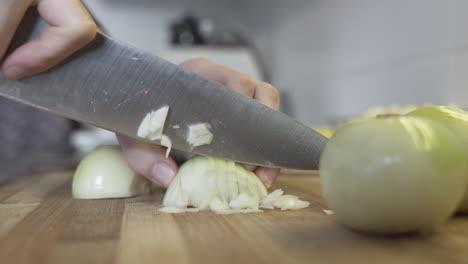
{"x": 104, "y": 173}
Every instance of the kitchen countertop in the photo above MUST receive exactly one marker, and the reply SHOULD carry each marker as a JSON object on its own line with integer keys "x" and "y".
{"x": 41, "y": 223}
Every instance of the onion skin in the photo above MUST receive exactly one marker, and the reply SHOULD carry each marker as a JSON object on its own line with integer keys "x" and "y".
{"x": 393, "y": 175}
{"x": 455, "y": 119}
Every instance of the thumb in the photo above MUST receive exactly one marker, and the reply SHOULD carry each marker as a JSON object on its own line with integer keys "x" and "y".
{"x": 71, "y": 28}
{"x": 148, "y": 160}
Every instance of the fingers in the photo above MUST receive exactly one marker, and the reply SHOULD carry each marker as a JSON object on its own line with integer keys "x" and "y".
{"x": 267, "y": 175}
{"x": 71, "y": 27}
{"x": 11, "y": 13}
{"x": 148, "y": 160}
{"x": 246, "y": 85}
{"x": 237, "y": 81}
{"x": 267, "y": 94}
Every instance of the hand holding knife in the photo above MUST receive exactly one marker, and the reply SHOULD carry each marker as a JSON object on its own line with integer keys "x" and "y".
{"x": 104, "y": 83}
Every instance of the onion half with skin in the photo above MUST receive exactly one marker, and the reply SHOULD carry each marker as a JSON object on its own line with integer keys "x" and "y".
{"x": 393, "y": 174}
{"x": 104, "y": 173}
{"x": 455, "y": 119}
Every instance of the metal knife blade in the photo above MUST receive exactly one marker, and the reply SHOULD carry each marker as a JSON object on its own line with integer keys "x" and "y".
{"x": 112, "y": 85}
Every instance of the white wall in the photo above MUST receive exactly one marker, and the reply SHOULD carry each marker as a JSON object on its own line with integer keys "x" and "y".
{"x": 339, "y": 57}
{"x": 144, "y": 23}
{"x": 333, "y": 58}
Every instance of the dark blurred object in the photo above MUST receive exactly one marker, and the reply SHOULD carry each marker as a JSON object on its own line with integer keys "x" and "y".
{"x": 198, "y": 31}
{"x": 186, "y": 32}
{"x": 53, "y": 157}
{"x": 192, "y": 31}
{"x": 24, "y": 127}
{"x": 30, "y": 137}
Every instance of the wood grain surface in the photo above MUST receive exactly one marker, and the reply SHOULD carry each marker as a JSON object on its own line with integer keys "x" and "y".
{"x": 41, "y": 223}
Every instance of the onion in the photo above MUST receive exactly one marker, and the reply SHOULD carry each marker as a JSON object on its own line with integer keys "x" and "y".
{"x": 104, "y": 173}
{"x": 225, "y": 187}
{"x": 202, "y": 183}
{"x": 199, "y": 134}
{"x": 166, "y": 142}
{"x": 393, "y": 174}
{"x": 152, "y": 125}
{"x": 455, "y": 119}
{"x": 202, "y": 179}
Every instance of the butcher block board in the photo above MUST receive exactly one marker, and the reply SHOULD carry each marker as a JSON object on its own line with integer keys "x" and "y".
{"x": 41, "y": 223}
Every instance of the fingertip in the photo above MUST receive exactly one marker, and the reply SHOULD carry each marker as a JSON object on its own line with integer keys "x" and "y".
{"x": 14, "y": 72}
{"x": 163, "y": 173}
{"x": 241, "y": 83}
{"x": 267, "y": 175}
{"x": 268, "y": 95}
{"x": 149, "y": 160}
{"x": 196, "y": 64}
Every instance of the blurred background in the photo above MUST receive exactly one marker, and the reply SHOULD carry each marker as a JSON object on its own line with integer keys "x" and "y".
{"x": 331, "y": 59}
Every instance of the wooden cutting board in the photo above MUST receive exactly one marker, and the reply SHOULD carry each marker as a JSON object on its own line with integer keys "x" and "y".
{"x": 41, "y": 223}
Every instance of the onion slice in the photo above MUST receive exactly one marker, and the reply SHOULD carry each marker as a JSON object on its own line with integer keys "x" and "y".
{"x": 152, "y": 125}
{"x": 199, "y": 134}
{"x": 225, "y": 187}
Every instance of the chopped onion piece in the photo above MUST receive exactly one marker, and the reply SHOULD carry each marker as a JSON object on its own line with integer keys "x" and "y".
{"x": 290, "y": 202}
{"x": 266, "y": 206}
{"x": 224, "y": 187}
{"x": 166, "y": 142}
{"x": 151, "y": 127}
{"x": 218, "y": 205}
{"x": 267, "y": 203}
{"x": 244, "y": 201}
{"x": 199, "y": 134}
{"x": 328, "y": 212}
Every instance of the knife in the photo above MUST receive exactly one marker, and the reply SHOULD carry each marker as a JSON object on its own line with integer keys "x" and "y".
{"x": 112, "y": 85}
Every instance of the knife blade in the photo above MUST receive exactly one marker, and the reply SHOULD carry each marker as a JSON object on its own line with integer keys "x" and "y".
{"x": 112, "y": 85}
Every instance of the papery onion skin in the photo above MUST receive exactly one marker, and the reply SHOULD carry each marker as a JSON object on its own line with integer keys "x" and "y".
{"x": 393, "y": 175}
{"x": 455, "y": 119}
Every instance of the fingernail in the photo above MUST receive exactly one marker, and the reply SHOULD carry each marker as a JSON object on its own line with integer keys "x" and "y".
{"x": 163, "y": 173}
{"x": 14, "y": 72}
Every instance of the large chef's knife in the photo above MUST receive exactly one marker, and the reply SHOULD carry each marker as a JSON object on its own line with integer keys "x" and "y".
{"x": 112, "y": 85}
